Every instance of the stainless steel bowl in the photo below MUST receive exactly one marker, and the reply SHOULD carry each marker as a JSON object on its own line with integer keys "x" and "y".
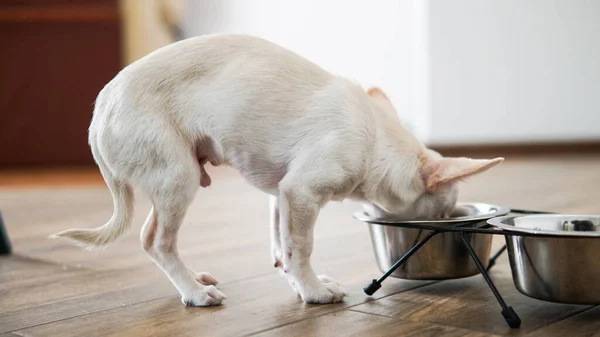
{"x": 442, "y": 257}
{"x": 556, "y": 258}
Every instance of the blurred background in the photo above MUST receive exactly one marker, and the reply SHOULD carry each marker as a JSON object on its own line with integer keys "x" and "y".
{"x": 465, "y": 74}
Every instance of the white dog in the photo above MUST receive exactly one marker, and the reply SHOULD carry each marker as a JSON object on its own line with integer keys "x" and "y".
{"x": 290, "y": 128}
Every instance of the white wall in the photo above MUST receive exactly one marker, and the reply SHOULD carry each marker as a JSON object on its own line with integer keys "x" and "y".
{"x": 514, "y": 70}
{"x": 370, "y": 42}
{"x": 459, "y": 72}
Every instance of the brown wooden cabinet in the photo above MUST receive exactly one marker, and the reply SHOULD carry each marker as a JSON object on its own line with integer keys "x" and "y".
{"x": 55, "y": 56}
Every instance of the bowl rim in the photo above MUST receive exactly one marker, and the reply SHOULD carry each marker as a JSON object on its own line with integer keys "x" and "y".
{"x": 498, "y": 211}
{"x": 500, "y": 223}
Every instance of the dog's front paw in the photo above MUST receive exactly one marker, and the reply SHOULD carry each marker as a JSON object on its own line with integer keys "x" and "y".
{"x": 325, "y": 291}
{"x": 204, "y": 297}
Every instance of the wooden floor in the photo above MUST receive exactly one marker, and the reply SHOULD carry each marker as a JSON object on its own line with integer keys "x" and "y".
{"x": 49, "y": 288}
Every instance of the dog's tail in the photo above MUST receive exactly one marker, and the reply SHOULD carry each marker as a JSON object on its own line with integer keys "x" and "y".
{"x": 120, "y": 221}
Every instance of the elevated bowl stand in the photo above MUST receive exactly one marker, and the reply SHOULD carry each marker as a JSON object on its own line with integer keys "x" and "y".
{"x": 509, "y": 314}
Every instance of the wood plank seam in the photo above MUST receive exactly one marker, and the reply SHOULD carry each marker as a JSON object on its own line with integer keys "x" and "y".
{"x": 19, "y": 332}
{"x": 340, "y": 309}
{"x": 343, "y": 309}
{"x": 567, "y": 316}
{"x": 16, "y": 334}
{"x": 573, "y": 314}
{"x": 227, "y": 283}
{"x": 10, "y": 334}
{"x": 370, "y": 313}
{"x": 118, "y": 305}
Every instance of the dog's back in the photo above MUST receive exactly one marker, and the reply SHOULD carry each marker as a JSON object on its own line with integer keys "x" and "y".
{"x": 235, "y": 99}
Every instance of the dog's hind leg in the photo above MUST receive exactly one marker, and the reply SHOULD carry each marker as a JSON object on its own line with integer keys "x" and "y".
{"x": 171, "y": 198}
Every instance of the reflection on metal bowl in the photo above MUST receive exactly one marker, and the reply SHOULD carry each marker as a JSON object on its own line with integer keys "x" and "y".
{"x": 556, "y": 257}
{"x": 444, "y": 256}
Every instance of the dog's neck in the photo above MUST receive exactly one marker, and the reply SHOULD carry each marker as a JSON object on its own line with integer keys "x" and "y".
{"x": 393, "y": 173}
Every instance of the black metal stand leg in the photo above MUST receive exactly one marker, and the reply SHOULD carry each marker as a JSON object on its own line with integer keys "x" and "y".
{"x": 510, "y": 316}
{"x": 5, "y": 248}
{"x": 495, "y": 257}
{"x": 372, "y": 287}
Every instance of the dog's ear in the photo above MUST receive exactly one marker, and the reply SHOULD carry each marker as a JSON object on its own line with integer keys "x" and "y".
{"x": 438, "y": 172}
{"x": 382, "y": 101}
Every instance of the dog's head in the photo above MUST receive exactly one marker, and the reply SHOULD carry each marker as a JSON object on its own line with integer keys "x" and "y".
{"x": 440, "y": 177}
{"x": 423, "y": 184}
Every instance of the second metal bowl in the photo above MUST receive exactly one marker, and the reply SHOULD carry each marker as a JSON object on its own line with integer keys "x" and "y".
{"x": 554, "y": 257}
